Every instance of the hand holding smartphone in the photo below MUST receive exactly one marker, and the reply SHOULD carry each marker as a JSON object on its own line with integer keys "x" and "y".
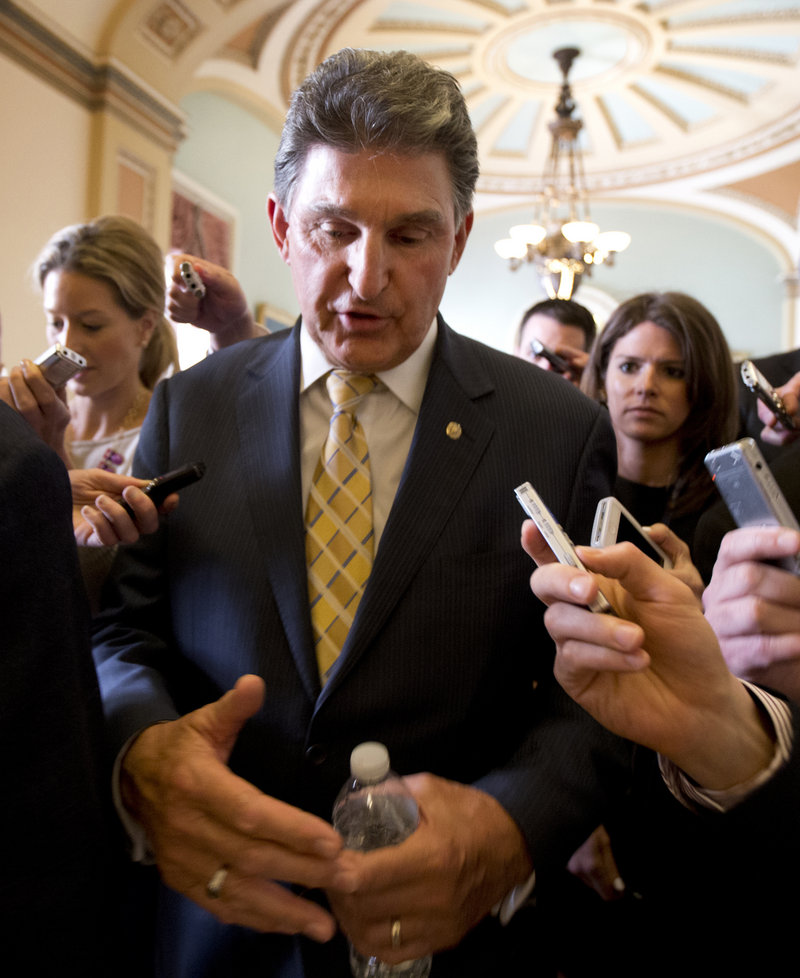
{"x": 59, "y": 363}
{"x": 747, "y": 485}
{"x": 758, "y": 384}
{"x": 555, "y": 536}
{"x": 159, "y": 488}
{"x": 559, "y": 364}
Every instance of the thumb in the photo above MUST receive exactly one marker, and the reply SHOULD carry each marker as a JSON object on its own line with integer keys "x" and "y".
{"x": 223, "y": 720}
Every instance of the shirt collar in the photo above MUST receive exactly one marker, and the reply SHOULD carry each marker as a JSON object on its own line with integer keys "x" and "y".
{"x": 406, "y": 381}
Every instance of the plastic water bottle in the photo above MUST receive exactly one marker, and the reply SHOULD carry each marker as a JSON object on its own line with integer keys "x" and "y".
{"x": 375, "y": 809}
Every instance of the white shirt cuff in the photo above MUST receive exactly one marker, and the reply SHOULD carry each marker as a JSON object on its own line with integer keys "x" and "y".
{"x": 689, "y": 793}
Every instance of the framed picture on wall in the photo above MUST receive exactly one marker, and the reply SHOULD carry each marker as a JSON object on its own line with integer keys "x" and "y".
{"x": 205, "y": 226}
{"x": 273, "y": 318}
{"x": 202, "y": 224}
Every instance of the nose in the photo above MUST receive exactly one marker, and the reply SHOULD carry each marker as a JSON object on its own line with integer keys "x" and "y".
{"x": 646, "y": 378}
{"x": 67, "y": 335}
{"x": 368, "y": 263}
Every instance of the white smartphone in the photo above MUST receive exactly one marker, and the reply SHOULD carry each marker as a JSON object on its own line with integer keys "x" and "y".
{"x": 758, "y": 384}
{"x": 555, "y": 535}
{"x": 747, "y": 485}
{"x": 192, "y": 280}
{"x": 59, "y": 363}
{"x": 613, "y": 523}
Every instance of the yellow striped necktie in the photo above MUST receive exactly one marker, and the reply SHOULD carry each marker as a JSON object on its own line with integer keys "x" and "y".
{"x": 339, "y": 535}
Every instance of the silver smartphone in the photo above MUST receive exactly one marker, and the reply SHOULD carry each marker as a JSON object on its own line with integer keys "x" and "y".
{"x": 555, "y": 535}
{"x": 758, "y": 384}
{"x": 613, "y": 523}
{"x": 752, "y": 495}
{"x": 59, "y": 363}
{"x": 192, "y": 280}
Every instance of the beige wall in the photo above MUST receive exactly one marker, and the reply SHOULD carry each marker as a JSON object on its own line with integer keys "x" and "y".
{"x": 44, "y": 186}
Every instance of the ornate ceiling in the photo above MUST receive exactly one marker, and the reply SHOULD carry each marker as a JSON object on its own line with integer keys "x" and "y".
{"x": 666, "y": 88}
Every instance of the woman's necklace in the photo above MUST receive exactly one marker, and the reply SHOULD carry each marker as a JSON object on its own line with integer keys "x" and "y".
{"x": 136, "y": 412}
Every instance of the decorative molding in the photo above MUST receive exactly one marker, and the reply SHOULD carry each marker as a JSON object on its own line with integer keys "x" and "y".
{"x": 170, "y": 28}
{"x": 97, "y": 87}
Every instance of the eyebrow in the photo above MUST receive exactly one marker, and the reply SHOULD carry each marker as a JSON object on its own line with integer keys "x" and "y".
{"x": 680, "y": 361}
{"x": 430, "y": 217}
{"x": 81, "y": 313}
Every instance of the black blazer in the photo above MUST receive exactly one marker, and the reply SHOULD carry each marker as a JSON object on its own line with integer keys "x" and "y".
{"x": 54, "y": 822}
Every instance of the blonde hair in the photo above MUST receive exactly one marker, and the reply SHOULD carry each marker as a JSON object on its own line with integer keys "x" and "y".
{"x": 120, "y": 252}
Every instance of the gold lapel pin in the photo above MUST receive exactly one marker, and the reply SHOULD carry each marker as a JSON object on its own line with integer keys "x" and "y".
{"x": 453, "y": 430}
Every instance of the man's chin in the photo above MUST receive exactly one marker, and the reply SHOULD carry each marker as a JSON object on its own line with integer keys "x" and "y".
{"x": 365, "y": 356}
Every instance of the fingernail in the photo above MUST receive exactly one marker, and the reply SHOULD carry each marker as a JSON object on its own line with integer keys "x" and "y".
{"x": 319, "y": 931}
{"x": 579, "y": 586}
{"x": 327, "y": 848}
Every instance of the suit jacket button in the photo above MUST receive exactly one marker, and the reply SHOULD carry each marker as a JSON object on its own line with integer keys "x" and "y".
{"x": 316, "y": 755}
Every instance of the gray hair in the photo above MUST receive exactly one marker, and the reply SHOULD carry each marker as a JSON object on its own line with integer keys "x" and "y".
{"x": 390, "y": 102}
{"x": 120, "y": 252}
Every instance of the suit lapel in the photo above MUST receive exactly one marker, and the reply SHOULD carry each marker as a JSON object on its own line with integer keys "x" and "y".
{"x": 269, "y": 424}
{"x": 450, "y": 439}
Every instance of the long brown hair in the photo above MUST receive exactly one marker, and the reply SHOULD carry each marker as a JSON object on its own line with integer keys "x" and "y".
{"x": 710, "y": 381}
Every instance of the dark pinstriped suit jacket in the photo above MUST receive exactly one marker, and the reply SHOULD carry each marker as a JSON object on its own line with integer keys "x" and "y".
{"x": 448, "y": 643}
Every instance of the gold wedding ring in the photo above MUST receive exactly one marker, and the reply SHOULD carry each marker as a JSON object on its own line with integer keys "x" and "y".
{"x": 217, "y": 881}
{"x": 397, "y": 937}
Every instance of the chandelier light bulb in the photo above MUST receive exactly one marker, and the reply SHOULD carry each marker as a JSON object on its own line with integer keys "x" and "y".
{"x": 582, "y": 231}
{"x": 528, "y": 233}
{"x": 612, "y": 241}
{"x": 508, "y": 248}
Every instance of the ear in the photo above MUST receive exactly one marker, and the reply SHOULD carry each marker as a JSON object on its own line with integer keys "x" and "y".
{"x": 462, "y": 233}
{"x": 279, "y": 222}
{"x": 147, "y": 325}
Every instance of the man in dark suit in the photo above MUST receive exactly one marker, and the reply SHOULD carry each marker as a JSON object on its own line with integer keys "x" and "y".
{"x": 446, "y": 661}
{"x": 55, "y": 827}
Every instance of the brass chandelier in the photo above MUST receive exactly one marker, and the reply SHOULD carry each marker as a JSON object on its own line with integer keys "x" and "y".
{"x": 563, "y": 243}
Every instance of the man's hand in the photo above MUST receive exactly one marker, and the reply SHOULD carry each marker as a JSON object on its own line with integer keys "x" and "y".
{"x": 654, "y": 675}
{"x": 200, "y": 817}
{"x": 465, "y": 856}
{"x": 98, "y": 517}
{"x": 754, "y": 607}
{"x": 223, "y": 311}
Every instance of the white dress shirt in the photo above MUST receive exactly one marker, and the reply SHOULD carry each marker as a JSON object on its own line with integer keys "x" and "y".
{"x": 388, "y": 416}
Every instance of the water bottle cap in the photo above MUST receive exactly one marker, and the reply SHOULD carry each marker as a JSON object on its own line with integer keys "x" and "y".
{"x": 369, "y": 762}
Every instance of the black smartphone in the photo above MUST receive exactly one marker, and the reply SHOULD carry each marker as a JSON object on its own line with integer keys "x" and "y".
{"x": 560, "y": 364}
{"x": 59, "y": 363}
{"x": 163, "y": 485}
{"x": 758, "y": 384}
